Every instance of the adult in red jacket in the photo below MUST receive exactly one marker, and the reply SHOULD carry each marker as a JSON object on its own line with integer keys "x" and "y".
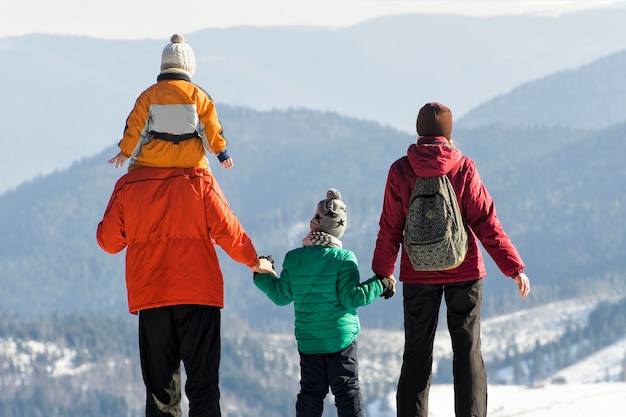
{"x": 434, "y": 154}
{"x": 168, "y": 219}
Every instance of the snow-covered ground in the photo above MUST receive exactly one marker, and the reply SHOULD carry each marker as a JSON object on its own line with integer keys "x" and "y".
{"x": 579, "y": 390}
{"x": 572, "y": 392}
{"x": 607, "y": 364}
{"x": 562, "y": 400}
{"x": 577, "y": 394}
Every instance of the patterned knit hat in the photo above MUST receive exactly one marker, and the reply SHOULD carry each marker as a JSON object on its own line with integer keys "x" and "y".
{"x": 330, "y": 216}
{"x": 178, "y": 57}
{"x": 434, "y": 119}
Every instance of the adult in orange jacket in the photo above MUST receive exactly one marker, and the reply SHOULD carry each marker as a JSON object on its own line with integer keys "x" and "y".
{"x": 169, "y": 219}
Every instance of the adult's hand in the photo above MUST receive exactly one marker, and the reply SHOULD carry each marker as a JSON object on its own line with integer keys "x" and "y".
{"x": 523, "y": 284}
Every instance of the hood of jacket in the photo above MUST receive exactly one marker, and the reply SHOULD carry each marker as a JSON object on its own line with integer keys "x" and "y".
{"x": 432, "y": 156}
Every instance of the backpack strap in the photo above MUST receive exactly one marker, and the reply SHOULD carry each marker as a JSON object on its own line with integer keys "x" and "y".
{"x": 175, "y": 139}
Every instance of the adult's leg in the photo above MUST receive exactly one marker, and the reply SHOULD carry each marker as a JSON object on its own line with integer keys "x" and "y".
{"x": 421, "y": 312}
{"x": 343, "y": 376}
{"x": 199, "y": 331}
{"x": 160, "y": 362}
{"x": 464, "y": 301}
{"x": 313, "y": 386}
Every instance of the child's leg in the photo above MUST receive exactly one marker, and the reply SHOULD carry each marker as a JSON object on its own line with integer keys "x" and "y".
{"x": 313, "y": 386}
{"x": 343, "y": 372}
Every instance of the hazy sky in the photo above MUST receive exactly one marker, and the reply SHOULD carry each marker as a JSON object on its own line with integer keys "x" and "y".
{"x": 131, "y": 19}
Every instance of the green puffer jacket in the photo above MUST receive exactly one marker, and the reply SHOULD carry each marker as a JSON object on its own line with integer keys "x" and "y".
{"x": 324, "y": 285}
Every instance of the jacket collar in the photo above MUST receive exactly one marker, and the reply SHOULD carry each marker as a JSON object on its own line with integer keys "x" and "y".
{"x": 432, "y": 140}
{"x": 173, "y": 76}
{"x": 432, "y": 156}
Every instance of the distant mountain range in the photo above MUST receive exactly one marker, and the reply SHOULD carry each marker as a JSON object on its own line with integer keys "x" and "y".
{"x": 65, "y": 97}
{"x": 550, "y": 151}
{"x": 556, "y": 190}
{"x": 556, "y": 186}
{"x": 590, "y": 97}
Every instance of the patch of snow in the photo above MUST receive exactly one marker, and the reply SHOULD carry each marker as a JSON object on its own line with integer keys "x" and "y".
{"x": 563, "y": 400}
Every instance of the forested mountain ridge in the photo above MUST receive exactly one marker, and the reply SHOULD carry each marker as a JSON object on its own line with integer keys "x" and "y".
{"x": 589, "y": 97}
{"x": 553, "y": 200}
{"x": 69, "y": 96}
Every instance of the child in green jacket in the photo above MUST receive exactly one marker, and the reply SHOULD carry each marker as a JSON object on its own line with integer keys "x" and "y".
{"x": 322, "y": 280}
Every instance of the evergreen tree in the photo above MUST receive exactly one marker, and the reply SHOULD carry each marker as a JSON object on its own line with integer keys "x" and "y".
{"x": 538, "y": 370}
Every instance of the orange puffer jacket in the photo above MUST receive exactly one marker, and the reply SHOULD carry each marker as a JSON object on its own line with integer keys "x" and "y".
{"x": 173, "y": 106}
{"x": 169, "y": 220}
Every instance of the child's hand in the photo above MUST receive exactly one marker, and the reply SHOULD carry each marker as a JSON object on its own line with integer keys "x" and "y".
{"x": 389, "y": 286}
{"x": 118, "y": 160}
{"x": 227, "y": 163}
{"x": 265, "y": 265}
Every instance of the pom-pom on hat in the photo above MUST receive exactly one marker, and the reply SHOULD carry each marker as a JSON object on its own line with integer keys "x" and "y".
{"x": 330, "y": 216}
{"x": 434, "y": 119}
{"x": 178, "y": 57}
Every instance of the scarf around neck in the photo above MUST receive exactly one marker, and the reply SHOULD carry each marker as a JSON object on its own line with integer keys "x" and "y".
{"x": 321, "y": 239}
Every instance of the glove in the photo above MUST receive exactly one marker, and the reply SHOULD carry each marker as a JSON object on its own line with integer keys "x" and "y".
{"x": 389, "y": 287}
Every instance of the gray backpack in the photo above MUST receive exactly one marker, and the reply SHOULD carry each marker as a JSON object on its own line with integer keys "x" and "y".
{"x": 434, "y": 234}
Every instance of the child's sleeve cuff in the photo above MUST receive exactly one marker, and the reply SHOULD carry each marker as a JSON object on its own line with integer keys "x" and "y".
{"x": 222, "y": 156}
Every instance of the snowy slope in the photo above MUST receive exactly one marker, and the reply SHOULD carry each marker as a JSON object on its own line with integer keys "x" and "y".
{"x": 380, "y": 358}
{"x": 578, "y": 390}
{"x": 605, "y": 365}
{"x": 567, "y": 400}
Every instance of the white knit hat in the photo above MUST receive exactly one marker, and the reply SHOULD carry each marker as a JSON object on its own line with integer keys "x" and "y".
{"x": 178, "y": 57}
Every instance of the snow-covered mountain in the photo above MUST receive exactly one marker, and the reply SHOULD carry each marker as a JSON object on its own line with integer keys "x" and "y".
{"x": 578, "y": 389}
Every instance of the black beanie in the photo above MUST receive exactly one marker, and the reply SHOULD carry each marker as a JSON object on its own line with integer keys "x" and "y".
{"x": 434, "y": 119}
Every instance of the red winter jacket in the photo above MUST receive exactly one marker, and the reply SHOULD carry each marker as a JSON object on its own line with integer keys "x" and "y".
{"x": 429, "y": 159}
{"x": 169, "y": 219}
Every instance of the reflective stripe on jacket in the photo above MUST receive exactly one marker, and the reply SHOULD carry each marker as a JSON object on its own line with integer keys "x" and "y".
{"x": 174, "y": 106}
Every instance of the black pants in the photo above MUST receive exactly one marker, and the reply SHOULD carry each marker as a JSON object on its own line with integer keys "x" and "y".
{"x": 338, "y": 370}
{"x": 421, "y": 311}
{"x": 167, "y": 335}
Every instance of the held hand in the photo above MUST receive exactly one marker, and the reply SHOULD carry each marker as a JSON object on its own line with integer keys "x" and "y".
{"x": 389, "y": 286}
{"x": 523, "y": 283}
{"x": 228, "y": 163}
{"x": 118, "y": 160}
{"x": 265, "y": 265}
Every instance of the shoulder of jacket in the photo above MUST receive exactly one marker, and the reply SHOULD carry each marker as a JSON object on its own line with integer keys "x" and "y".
{"x": 346, "y": 255}
{"x": 400, "y": 164}
{"x": 203, "y": 91}
{"x": 402, "y": 160}
{"x": 347, "y": 252}
{"x": 468, "y": 164}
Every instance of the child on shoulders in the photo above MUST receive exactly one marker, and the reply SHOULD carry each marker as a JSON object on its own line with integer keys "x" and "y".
{"x": 174, "y": 122}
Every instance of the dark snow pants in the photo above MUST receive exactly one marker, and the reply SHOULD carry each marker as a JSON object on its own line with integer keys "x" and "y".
{"x": 167, "y": 335}
{"x": 421, "y": 311}
{"x": 338, "y": 370}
